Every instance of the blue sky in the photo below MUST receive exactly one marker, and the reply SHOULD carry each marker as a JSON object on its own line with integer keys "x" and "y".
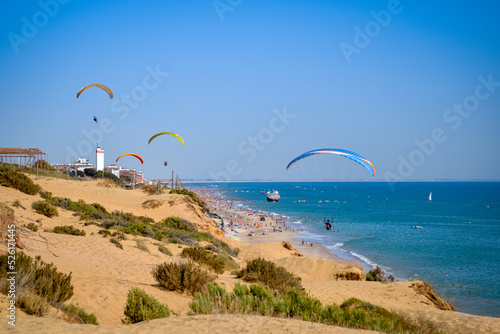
{"x": 413, "y": 86}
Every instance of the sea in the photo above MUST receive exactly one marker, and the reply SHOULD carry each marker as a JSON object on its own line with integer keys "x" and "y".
{"x": 456, "y": 250}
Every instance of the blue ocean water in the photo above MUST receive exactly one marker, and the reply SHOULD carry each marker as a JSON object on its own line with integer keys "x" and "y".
{"x": 457, "y": 251}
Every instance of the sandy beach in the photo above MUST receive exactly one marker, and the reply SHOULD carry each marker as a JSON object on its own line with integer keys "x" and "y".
{"x": 102, "y": 273}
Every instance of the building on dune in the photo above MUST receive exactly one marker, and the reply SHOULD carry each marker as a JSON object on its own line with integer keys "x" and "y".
{"x": 80, "y": 165}
{"x": 135, "y": 176}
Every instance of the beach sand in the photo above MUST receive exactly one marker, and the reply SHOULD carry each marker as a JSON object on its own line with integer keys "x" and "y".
{"x": 102, "y": 273}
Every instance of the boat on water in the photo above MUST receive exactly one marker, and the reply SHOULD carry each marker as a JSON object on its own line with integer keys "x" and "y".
{"x": 430, "y": 197}
{"x": 273, "y": 196}
{"x": 416, "y": 226}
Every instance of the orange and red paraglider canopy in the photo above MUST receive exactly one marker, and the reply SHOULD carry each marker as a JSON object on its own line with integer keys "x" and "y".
{"x": 132, "y": 154}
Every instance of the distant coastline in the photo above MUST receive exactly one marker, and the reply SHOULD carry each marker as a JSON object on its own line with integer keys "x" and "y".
{"x": 384, "y": 181}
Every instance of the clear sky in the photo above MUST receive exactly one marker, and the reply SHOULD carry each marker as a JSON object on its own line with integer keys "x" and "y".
{"x": 412, "y": 86}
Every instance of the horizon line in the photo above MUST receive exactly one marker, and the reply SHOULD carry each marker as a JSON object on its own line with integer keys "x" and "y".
{"x": 332, "y": 180}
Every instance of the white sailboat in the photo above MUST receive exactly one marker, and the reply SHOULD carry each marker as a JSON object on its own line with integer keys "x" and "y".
{"x": 430, "y": 197}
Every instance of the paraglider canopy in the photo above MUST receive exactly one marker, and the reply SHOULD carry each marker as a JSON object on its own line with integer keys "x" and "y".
{"x": 110, "y": 93}
{"x": 348, "y": 154}
{"x": 167, "y": 133}
{"x": 132, "y": 154}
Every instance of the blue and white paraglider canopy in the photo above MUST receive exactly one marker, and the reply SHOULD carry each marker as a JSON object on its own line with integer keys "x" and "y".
{"x": 348, "y": 154}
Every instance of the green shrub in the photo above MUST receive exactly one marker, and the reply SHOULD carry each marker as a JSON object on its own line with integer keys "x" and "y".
{"x": 108, "y": 223}
{"x": 191, "y": 194}
{"x": 165, "y": 250}
{"x": 182, "y": 276}
{"x": 355, "y": 311}
{"x": 116, "y": 242}
{"x": 141, "y": 306}
{"x": 105, "y": 233}
{"x": 379, "y": 275}
{"x": 228, "y": 261}
{"x": 32, "y": 226}
{"x": 257, "y": 299}
{"x": 45, "y": 194}
{"x": 68, "y": 230}
{"x": 183, "y": 236}
{"x": 295, "y": 303}
{"x": 90, "y": 172}
{"x": 42, "y": 278}
{"x": 45, "y": 208}
{"x": 81, "y": 315}
{"x": 268, "y": 273}
{"x": 10, "y": 177}
{"x": 131, "y": 217}
{"x": 178, "y": 224}
{"x": 202, "y": 256}
{"x": 84, "y": 210}
{"x": 213, "y": 248}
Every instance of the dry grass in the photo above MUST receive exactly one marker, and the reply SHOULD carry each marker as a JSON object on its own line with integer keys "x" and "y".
{"x": 106, "y": 183}
{"x": 182, "y": 276}
{"x": 204, "y": 257}
{"x": 142, "y": 245}
{"x": 116, "y": 242}
{"x": 272, "y": 276}
{"x": 32, "y": 303}
{"x": 152, "y": 204}
{"x": 165, "y": 250}
{"x": 152, "y": 190}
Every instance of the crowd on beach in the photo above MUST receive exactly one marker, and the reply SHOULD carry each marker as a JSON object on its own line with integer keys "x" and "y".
{"x": 232, "y": 217}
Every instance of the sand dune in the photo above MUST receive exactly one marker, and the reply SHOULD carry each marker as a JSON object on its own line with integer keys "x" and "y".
{"x": 223, "y": 324}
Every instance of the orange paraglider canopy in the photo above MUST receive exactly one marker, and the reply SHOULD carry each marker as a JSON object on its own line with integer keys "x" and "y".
{"x": 110, "y": 93}
{"x": 132, "y": 154}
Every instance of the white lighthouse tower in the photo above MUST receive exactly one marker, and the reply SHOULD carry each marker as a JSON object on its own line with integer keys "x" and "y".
{"x": 99, "y": 158}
